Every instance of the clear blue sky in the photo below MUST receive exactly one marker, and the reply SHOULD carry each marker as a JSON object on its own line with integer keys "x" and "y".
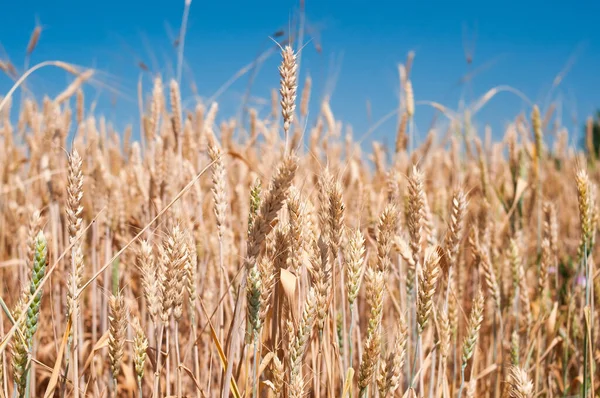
{"x": 524, "y": 43}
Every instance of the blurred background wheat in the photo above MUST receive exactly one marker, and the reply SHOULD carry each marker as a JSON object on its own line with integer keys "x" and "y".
{"x": 272, "y": 253}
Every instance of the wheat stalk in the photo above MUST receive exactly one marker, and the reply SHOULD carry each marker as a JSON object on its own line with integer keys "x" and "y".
{"x": 298, "y": 343}
{"x": 74, "y": 212}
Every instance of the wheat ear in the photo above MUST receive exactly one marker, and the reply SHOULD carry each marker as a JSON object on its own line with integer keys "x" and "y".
{"x": 74, "y": 212}
{"x": 519, "y": 384}
{"x": 116, "y": 335}
{"x": 414, "y": 221}
{"x": 298, "y": 343}
{"x": 390, "y": 368}
{"x": 140, "y": 345}
{"x": 372, "y": 345}
{"x": 427, "y": 285}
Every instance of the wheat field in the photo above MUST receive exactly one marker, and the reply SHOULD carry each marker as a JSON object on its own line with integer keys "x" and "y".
{"x": 284, "y": 259}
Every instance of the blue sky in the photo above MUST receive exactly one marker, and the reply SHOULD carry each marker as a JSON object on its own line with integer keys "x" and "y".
{"x": 524, "y": 44}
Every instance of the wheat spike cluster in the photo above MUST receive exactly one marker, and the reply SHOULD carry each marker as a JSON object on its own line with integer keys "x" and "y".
{"x": 210, "y": 255}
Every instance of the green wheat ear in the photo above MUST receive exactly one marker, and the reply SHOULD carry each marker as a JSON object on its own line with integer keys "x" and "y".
{"x": 20, "y": 351}
{"x": 255, "y": 200}
{"x": 253, "y": 307}
{"x": 22, "y": 348}
{"x": 37, "y": 274}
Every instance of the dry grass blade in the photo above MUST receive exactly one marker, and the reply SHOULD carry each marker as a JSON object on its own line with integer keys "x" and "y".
{"x": 53, "y": 382}
{"x": 222, "y": 358}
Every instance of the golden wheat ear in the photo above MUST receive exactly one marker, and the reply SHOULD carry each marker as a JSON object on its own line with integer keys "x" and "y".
{"x": 519, "y": 384}
{"x": 116, "y": 334}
